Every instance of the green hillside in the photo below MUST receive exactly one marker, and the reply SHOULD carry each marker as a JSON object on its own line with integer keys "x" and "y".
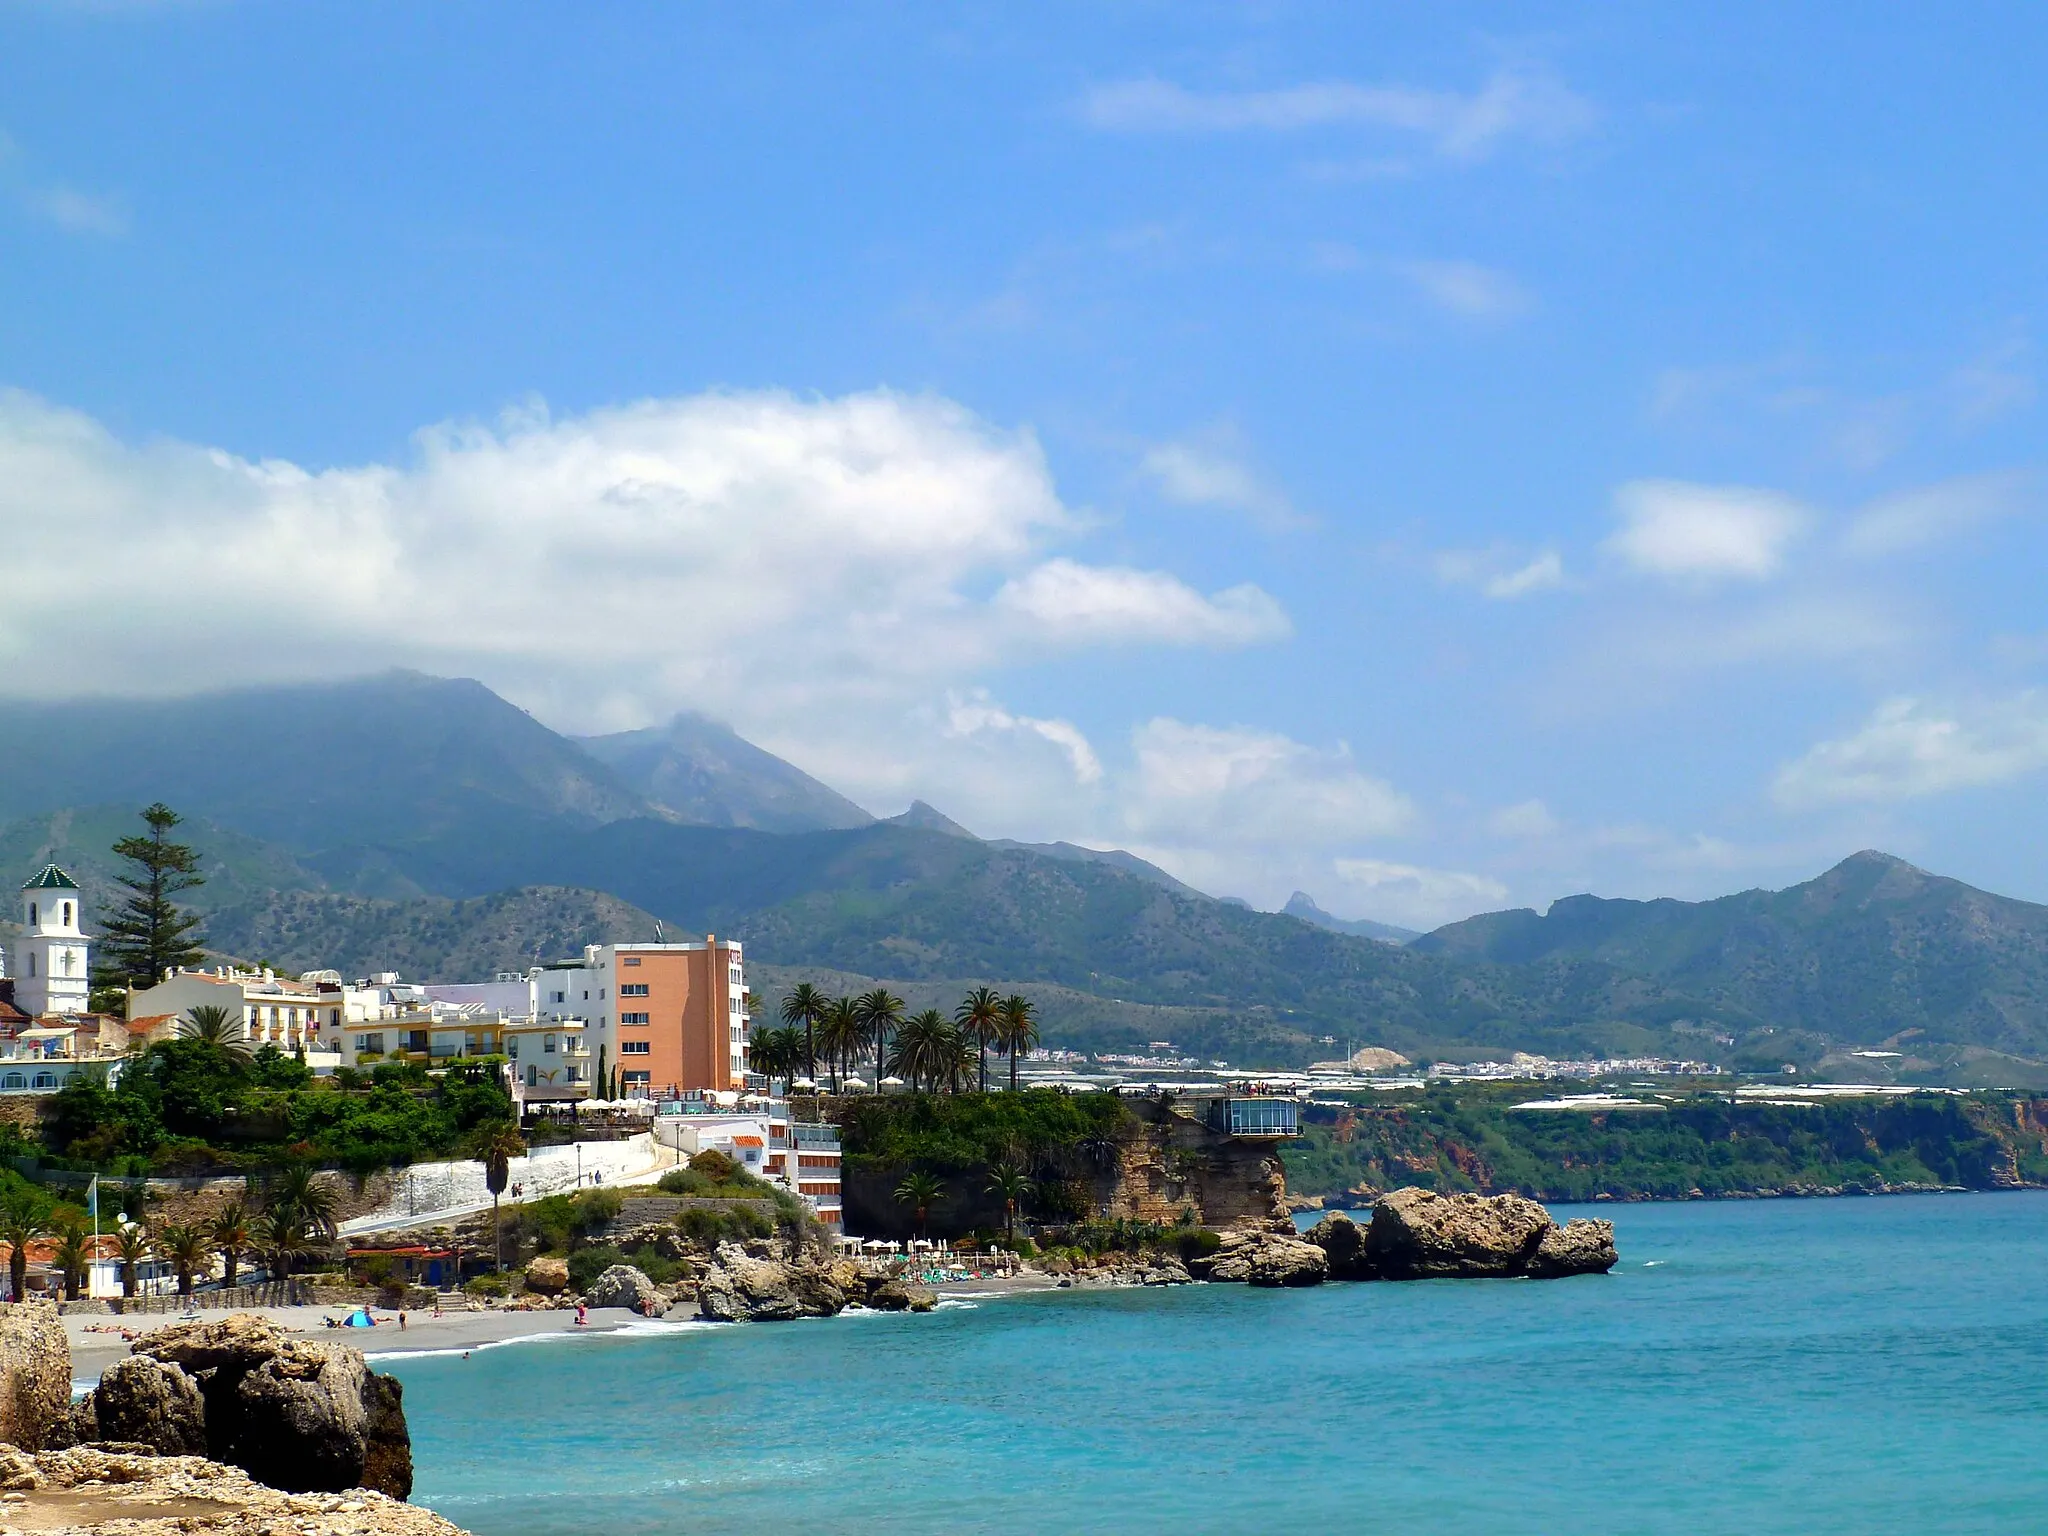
{"x": 1874, "y": 951}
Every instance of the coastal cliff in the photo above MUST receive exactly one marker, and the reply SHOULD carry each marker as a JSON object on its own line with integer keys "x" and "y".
{"x": 1674, "y": 1144}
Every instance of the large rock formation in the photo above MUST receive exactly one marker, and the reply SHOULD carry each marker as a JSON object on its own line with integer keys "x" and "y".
{"x": 1284, "y": 1261}
{"x": 35, "y": 1374}
{"x": 1258, "y": 1257}
{"x": 1579, "y": 1247}
{"x": 739, "y": 1288}
{"x": 1343, "y": 1242}
{"x": 93, "y": 1492}
{"x": 624, "y": 1286}
{"x": 298, "y": 1415}
{"x": 1419, "y": 1234}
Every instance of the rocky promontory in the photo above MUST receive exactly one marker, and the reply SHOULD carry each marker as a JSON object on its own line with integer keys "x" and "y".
{"x": 1418, "y": 1234}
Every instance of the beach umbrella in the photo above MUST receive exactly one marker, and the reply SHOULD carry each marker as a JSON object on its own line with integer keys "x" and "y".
{"x": 855, "y": 1084}
{"x": 802, "y": 1082}
{"x": 892, "y": 1082}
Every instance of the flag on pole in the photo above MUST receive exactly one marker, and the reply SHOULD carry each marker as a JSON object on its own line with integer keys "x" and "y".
{"x": 92, "y": 1203}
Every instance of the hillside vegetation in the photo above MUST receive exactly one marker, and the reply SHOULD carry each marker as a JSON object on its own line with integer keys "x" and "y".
{"x": 1468, "y": 1138}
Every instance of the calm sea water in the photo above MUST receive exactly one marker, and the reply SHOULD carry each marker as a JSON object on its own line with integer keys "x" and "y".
{"x": 1782, "y": 1366}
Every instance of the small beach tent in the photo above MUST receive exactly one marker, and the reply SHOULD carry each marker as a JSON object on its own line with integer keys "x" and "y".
{"x": 360, "y": 1318}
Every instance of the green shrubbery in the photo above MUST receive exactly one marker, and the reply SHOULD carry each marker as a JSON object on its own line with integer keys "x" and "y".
{"x": 191, "y": 1106}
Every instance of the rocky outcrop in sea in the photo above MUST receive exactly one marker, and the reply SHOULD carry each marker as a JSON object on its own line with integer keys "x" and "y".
{"x": 1418, "y": 1234}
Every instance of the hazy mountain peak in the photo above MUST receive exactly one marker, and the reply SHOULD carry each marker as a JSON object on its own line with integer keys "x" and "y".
{"x": 702, "y": 771}
{"x": 926, "y": 818}
{"x": 1303, "y": 906}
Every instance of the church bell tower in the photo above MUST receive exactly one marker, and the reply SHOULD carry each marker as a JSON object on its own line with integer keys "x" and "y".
{"x": 51, "y": 962}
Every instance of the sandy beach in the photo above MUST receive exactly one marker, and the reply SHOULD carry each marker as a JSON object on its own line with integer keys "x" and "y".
{"x": 97, "y": 1341}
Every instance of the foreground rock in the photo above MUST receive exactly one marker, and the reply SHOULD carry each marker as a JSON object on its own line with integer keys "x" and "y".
{"x": 298, "y": 1415}
{"x": 70, "y": 1493}
{"x": 1418, "y": 1234}
{"x": 141, "y": 1401}
{"x": 35, "y": 1374}
{"x": 624, "y": 1286}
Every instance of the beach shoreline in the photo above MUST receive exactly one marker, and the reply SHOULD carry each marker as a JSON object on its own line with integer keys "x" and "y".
{"x": 98, "y": 1340}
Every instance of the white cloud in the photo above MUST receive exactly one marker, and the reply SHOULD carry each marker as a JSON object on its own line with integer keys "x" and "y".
{"x": 1417, "y": 895}
{"x": 1992, "y": 385}
{"x": 1500, "y": 572}
{"x": 756, "y": 554}
{"x": 1207, "y": 784}
{"x": 976, "y": 714}
{"x": 1531, "y": 818}
{"x": 1517, "y": 103}
{"x": 1671, "y": 528}
{"x": 1213, "y": 474}
{"x": 1907, "y": 749}
{"x": 1935, "y": 513}
{"x": 79, "y": 213}
{"x": 1072, "y": 603}
{"x": 1466, "y": 288}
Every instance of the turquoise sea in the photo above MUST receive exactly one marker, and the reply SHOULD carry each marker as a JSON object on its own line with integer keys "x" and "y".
{"x": 1853, "y": 1365}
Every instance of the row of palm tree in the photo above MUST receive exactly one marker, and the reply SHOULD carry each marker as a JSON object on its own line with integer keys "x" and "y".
{"x": 925, "y": 1049}
{"x": 283, "y": 1219}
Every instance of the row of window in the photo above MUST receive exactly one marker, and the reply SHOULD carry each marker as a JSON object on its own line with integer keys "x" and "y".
{"x": 636, "y": 1048}
{"x": 20, "y": 1080}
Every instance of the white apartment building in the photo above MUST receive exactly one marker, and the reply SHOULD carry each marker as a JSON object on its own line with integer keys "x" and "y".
{"x": 757, "y": 1133}
{"x": 310, "y": 1014}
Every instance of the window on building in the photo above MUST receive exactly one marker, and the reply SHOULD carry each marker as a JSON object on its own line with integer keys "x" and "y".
{"x": 633, "y": 989}
{"x": 46, "y": 1080}
{"x": 67, "y": 914}
{"x": 547, "y": 1045}
{"x": 636, "y": 1048}
{"x": 630, "y": 960}
{"x": 15, "y": 1080}
{"x": 634, "y": 1018}
{"x": 34, "y": 915}
{"x": 632, "y": 1080}
{"x": 370, "y": 1043}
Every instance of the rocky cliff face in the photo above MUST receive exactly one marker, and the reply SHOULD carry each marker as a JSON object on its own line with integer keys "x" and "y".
{"x": 1175, "y": 1164}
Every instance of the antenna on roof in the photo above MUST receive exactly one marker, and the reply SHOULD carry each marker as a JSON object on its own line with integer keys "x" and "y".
{"x": 657, "y": 930}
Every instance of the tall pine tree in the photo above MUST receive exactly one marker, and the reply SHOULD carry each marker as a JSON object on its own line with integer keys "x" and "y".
{"x": 150, "y": 933}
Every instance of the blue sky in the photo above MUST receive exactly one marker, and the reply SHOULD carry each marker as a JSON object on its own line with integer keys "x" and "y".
{"x": 1437, "y": 459}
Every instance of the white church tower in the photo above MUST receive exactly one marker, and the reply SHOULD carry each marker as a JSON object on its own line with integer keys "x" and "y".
{"x": 50, "y": 963}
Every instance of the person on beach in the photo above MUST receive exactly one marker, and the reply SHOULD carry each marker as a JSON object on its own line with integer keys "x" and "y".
{"x": 401, "y": 1322}
{"x": 582, "y": 1314}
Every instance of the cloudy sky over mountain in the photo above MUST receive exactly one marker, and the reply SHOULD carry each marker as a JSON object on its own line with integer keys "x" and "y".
{"x": 1436, "y": 460}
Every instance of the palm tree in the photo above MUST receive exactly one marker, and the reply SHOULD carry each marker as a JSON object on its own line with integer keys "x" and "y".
{"x": 879, "y": 1012}
{"x": 186, "y": 1247}
{"x": 1017, "y": 1033}
{"x": 231, "y": 1236}
{"x": 495, "y": 1146}
{"x": 23, "y": 1219}
{"x": 131, "y": 1243}
{"x": 806, "y": 1005}
{"x": 980, "y": 1018}
{"x": 74, "y": 1255}
{"x": 924, "y": 1046}
{"x": 840, "y": 1035}
{"x": 920, "y": 1189}
{"x": 217, "y": 1026}
{"x": 1013, "y": 1184}
{"x": 779, "y": 1053}
{"x": 279, "y": 1235}
{"x": 296, "y": 1191}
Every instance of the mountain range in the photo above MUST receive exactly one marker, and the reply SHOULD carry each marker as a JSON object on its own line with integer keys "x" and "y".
{"x": 427, "y": 826}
